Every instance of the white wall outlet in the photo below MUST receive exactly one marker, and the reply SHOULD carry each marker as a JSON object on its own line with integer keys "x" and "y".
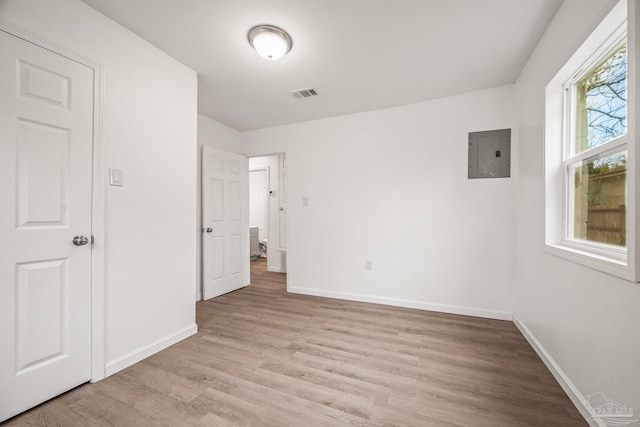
{"x": 305, "y": 201}
{"x": 368, "y": 264}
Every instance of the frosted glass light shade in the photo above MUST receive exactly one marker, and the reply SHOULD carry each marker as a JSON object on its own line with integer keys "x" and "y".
{"x": 270, "y": 46}
{"x": 270, "y": 42}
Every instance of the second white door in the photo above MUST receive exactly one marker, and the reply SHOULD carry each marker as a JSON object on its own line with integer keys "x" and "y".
{"x": 225, "y": 222}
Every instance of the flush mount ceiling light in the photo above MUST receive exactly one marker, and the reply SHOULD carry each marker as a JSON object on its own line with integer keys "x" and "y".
{"x": 269, "y": 41}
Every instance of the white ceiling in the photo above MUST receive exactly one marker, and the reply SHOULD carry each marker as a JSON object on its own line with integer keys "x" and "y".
{"x": 360, "y": 55}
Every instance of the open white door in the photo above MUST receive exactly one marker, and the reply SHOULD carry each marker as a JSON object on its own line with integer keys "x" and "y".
{"x": 225, "y": 221}
{"x": 46, "y": 131}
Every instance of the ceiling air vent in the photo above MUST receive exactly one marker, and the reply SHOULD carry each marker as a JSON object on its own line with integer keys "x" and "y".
{"x": 303, "y": 93}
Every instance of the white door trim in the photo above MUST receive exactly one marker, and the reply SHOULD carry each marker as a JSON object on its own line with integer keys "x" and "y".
{"x": 98, "y": 203}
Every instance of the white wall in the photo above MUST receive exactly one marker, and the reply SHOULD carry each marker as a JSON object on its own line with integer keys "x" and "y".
{"x": 258, "y": 202}
{"x": 217, "y": 135}
{"x": 274, "y": 258}
{"x": 149, "y": 131}
{"x": 586, "y": 321}
{"x": 391, "y": 186}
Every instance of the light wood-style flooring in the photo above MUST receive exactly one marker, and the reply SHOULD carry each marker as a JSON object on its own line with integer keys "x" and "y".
{"x": 263, "y": 357}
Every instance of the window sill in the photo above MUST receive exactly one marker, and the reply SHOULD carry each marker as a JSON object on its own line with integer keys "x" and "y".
{"x": 611, "y": 266}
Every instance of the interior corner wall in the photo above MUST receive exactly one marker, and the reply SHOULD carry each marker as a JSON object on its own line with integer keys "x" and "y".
{"x": 391, "y": 186}
{"x": 217, "y": 135}
{"x": 586, "y": 322}
{"x": 149, "y": 131}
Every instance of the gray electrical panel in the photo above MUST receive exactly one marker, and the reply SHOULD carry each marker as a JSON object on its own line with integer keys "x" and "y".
{"x": 490, "y": 154}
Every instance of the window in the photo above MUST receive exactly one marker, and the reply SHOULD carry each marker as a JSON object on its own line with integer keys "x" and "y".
{"x": 589, "y": 212}
{"x": 596, "y": 165}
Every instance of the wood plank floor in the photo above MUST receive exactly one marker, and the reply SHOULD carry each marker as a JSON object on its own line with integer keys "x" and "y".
{"x": 263, "y": 357}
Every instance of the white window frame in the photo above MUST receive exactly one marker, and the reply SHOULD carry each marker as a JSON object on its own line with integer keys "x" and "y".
{"x": 618, "y": 25}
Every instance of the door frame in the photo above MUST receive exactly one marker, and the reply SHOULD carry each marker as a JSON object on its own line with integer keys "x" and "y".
{"x": 286, "y": 188}
{"x": 98, "y": 193}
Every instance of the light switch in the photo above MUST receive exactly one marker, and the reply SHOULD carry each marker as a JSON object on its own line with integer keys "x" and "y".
{"x": 115, "y": 177}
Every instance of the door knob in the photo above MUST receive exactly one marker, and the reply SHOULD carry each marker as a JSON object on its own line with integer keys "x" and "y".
{"x": 80, "y": 240}
{"x": 209, "y": 230}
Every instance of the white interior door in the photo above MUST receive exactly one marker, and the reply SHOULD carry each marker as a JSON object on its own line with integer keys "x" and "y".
{"x": 225, "y": 221}
{"x": 45, "y": 185}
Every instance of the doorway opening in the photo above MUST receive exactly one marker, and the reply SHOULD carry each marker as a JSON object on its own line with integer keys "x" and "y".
{"x": 268, "y": 218}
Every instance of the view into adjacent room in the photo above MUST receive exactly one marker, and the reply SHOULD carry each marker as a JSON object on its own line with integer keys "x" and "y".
{"x": 268, "y": 214}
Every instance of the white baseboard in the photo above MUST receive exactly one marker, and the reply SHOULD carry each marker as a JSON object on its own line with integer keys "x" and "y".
{"x": 443, "y": 308}
{"x": 136, "y": 356}
{"x": 567, "y": 385}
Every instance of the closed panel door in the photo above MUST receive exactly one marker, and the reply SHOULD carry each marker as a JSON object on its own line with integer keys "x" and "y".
{"x": 225, "y": 222}
{"x": 46, "y": 130}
